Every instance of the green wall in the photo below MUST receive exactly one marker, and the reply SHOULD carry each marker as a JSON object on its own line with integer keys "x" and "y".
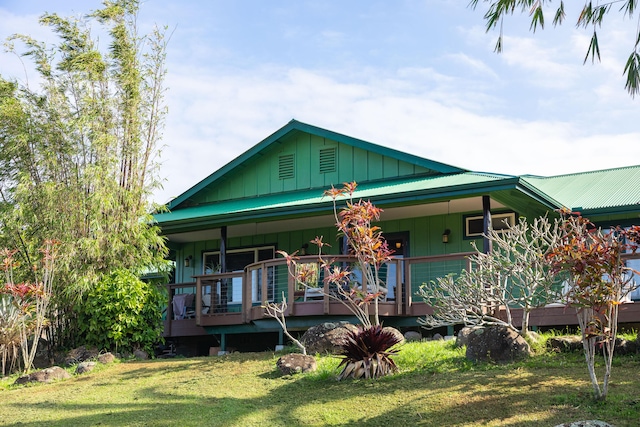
{"x": 260, "y": 175}
{"x": 425, "y": 238}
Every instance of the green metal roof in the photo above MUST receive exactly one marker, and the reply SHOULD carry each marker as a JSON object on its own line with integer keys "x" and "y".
{"x": 403, "y": 190}
{"x": 596, "y": 190}
{"x": 295, "y": 125}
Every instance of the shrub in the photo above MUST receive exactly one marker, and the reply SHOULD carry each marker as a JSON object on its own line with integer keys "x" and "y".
{"x": 122, "y": 313}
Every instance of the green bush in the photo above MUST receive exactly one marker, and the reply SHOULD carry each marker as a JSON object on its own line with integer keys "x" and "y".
{"x": 122, "y": 313}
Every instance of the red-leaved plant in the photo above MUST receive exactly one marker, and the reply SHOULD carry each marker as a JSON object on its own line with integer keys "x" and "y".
{"x": 367, "y": 352}
{"x": 365, "y": 242}
{"x": 598, "y": 282}
{"x": 24, "y": 308}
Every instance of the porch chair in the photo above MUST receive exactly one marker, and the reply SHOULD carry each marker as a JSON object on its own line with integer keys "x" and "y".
{"x": 182, "y": 306}
{"x": 313, "y": 293}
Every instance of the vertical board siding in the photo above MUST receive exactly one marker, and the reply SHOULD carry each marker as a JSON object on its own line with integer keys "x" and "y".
{"x": 303, "y": 164}
{"x": 390, "y": 168}
{"x": 262, "y": 169}
{"x": 375, "y": 169}
{"x": 259, "y": 175}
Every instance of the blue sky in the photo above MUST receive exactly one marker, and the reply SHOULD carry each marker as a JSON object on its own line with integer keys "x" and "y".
{"x": 418, "y": 76}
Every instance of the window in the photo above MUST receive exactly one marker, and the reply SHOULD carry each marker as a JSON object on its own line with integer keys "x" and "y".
{"x": 474, "y": 225}
{"x": 237, "y": 260}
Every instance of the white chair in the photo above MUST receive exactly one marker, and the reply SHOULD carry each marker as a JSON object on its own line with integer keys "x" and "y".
{"x": 206, "y": 303}
{"x": 313, "y": 293}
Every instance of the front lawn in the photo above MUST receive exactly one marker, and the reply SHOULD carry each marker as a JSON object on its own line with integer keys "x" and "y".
{"x": 436, "y": 386}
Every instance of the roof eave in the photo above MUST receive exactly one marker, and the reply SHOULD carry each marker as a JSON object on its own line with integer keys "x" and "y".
{"x": 427, "y": 195}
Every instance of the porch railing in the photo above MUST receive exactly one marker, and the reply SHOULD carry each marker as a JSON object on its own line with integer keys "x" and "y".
{"x": 238, "y": 296}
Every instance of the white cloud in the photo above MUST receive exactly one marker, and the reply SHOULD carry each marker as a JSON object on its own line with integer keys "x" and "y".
{"x": 532, "y": 109}
{"x": 214, "y": 125}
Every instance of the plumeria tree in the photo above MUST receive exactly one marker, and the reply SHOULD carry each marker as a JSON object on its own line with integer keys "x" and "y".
{"x": 515, "y": 274}
{"x": 277, "y": 310}
{"x": 598, "y": 281}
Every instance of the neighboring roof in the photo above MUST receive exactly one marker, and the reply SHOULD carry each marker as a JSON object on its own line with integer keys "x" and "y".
{"x": 295, "y": 125}
{"x": 595, "y": 190}
{"x": 381, "y": 192}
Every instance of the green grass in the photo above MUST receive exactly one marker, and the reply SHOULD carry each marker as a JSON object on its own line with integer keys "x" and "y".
{"x": 436, "y": 386}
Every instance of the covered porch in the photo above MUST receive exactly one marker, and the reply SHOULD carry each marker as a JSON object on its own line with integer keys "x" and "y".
{"x": 212, "y": 310}
{"x": 209, "y": 301}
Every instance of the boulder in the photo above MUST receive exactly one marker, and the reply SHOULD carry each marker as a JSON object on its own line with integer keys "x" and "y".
{"x": 140, "y": 354}
{"x": 85, "y": 367}
{"x": 295, "y": 363}
{"x": 105, "y": 358}
{"x": 565, "y": 343}
{"x": 463, "y": 336}
{"x": 327, "y": 337}
{"x": 496, "y": 343}
{"x": 80, "y": 354}
{"x": 587, "y": 423}
{"x": 44, "y": 376}
{"x": 410, "y": 336}
{"x": 625, "y": 347}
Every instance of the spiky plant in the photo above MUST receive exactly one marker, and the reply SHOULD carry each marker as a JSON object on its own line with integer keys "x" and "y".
{"x": 367, "y": 353}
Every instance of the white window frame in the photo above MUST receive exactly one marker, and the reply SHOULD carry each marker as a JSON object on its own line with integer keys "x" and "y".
{"x": 497, "y": 222}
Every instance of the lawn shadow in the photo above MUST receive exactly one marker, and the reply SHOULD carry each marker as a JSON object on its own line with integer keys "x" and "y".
{"x": 506, "y": 396}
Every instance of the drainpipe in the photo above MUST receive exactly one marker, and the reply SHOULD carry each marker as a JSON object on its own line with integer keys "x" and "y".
{"x": 486, "y": 223}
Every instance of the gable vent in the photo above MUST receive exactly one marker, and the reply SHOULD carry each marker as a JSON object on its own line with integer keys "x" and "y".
{"x": 286, "y": 166}
{"x": 328, "y": 160}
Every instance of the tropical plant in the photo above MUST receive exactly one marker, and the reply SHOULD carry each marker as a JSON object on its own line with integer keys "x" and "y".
{"x": 590, "y": 16}
{"x": 597, "y": 284}
{"x": 78, "y": 153}
{"x": 514, "y": 274}
{"x": 12, "y": 321}
{"x": 365, "y": 242}
{"x": 367, "y": 353}
{"x": 122, "y": 313}
{"x": 24, "y": 308}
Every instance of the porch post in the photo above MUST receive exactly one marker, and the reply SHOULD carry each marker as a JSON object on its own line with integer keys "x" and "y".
{"x": 223, "y": 249}
{"x": 223, "y": 268}
{"x": 486, "y": 223}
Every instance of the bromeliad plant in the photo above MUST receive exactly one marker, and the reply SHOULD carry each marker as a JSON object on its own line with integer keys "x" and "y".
{"x": 367, "y": 353}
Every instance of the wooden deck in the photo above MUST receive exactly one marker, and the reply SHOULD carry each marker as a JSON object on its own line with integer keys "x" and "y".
{"x": 231, "y": 301}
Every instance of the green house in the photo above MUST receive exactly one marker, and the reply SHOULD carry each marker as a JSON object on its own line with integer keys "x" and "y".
{"x": 225, "y": 231}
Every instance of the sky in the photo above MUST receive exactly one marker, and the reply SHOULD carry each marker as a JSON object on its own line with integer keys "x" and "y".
{"x": 420, "y": 76}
